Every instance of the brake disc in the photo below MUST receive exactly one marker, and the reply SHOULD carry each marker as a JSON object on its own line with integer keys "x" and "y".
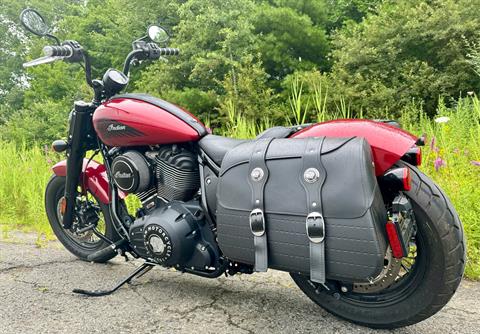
{"x": 386, "y": 278}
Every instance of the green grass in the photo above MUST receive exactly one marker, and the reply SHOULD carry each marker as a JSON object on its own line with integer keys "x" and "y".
{"x": 24, "y": 172}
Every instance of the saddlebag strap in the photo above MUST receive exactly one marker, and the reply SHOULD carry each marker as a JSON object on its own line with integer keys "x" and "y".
{"x": 312, "y": 177}
{"x": 258, "y": 176}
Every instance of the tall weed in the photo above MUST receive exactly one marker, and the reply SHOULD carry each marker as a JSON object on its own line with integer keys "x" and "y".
{"x": 24, "y": 172}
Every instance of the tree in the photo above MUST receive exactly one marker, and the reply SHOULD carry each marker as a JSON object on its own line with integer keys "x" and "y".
{"x": 342, "y": 11}
{"x": 410, "y": 50}
{"x": 216, "y": 40}
{"x": 291, "y": 37}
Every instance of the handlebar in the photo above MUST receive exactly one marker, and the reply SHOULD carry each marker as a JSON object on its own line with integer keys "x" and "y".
{"x": 152, "y": 51}
{"x": 143, "y": 50}
{"x": 51, "y": 54}
{"x": 169, "y": 52}
{"x": 58, "y": 51}
{"x": 72, "y": 51}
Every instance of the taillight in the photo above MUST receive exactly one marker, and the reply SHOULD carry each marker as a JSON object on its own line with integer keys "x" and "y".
{"x": 407, "y": 179}
{"x": 398, "y": 179}
{"x": 419, "y": 156}
{"x": 413, "y": 156}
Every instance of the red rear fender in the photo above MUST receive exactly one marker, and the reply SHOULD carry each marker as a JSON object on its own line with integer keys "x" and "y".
{"x": 388, "y": 143}
{"x": 94, "y": 179}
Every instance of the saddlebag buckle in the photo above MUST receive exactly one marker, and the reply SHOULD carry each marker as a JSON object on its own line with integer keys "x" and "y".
{"x": 257, "y": 222}
{"x": 315, "y": 227}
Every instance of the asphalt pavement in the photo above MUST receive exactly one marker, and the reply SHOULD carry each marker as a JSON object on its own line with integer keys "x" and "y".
{"x": 36, "y": 284}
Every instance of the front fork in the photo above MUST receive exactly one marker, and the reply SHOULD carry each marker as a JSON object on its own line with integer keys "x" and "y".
{"x": 79, "y": 140}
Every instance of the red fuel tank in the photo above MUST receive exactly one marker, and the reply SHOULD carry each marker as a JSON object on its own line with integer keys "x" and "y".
{"x": 139, "y": 119}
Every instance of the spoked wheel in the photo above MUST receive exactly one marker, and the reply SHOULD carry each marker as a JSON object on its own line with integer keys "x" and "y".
{"x": 80, "y": 240}
{"x": 413, "y": 288}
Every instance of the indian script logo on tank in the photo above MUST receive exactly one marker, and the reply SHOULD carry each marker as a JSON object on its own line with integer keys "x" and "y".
{"x": 116, "y": 127}
{"x": 113, "y": 128}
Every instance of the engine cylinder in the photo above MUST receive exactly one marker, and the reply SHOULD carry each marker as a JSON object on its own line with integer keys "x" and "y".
{"x": 177, "y": 173}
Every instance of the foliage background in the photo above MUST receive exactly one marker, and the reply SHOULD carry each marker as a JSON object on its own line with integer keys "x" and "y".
{"x": 376, "y": 57}
{"x": 250, "y": 64}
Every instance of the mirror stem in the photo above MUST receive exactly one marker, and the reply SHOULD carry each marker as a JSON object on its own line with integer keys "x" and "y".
{"x": 54, "y": 38}
{"x": 128, "y": 60}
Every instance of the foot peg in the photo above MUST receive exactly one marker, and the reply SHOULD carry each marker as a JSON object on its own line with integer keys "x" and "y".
{"x": 110, "y": 251}
{"x": 137, "y": 273}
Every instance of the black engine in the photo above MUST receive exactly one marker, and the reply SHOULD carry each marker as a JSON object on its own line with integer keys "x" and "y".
{"x": 175, "y": 235}
{"x": 169, "y": 173}
{"x": 170, "y": 229}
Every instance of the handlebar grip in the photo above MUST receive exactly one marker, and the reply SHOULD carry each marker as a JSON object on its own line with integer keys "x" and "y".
{"x": 169, "y": 52}
{"x": 58, "y": 51}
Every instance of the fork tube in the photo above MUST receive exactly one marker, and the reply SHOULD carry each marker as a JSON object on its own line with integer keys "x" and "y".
{"x": 76, "y": 152}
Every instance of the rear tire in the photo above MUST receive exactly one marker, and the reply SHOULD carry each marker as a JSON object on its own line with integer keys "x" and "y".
{"x": 441, "y": 264}
{"x": 53, "y": 194}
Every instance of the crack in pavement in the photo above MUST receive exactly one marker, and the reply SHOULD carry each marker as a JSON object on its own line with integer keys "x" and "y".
{"x": 226, "y": 312}
{"x": 41, "y": 288}
{"x": 216, "y": 296}
{"x": 39, "y": 265}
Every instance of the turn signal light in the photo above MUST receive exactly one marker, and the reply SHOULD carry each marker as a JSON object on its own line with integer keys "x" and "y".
{"x": 63, "y": 205}
{"x": 413, "y": 156}
{"x": 59, "y": 145}
{"x": 399, "y": 179}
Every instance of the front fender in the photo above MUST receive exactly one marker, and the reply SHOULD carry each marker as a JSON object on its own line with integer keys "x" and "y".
{"x": 93, "y": 178}
{"x": 388, "y": 143}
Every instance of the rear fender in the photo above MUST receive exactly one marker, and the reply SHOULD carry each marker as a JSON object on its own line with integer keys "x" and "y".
{"x": 388, "y": 143}
{"x": 93, "y": 178}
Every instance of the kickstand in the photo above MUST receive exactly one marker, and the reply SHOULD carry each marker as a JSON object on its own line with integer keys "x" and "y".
{"x": 139, "y": 272}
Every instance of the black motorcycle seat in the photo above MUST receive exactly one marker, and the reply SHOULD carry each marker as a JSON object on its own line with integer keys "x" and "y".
{"x": 217, "y": 146}
{"x": 276, "y": 132}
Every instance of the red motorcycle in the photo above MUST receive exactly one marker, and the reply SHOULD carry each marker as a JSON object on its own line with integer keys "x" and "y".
{"x": 339, "y": 205}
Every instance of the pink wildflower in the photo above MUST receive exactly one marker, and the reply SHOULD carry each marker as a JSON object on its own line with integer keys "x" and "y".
{"x": 438, "y": 163}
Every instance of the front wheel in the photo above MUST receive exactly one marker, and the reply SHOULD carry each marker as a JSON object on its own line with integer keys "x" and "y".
{"x": 414, "y": 288}
{"x": 88, "y": 211}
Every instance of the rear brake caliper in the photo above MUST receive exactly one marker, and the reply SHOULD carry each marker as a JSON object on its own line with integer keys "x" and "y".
{"x": 401, "y": 226}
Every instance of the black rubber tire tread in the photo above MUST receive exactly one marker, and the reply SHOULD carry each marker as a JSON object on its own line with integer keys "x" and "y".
{"x": 446, "y": 264}
{"x": 55, "y": 187}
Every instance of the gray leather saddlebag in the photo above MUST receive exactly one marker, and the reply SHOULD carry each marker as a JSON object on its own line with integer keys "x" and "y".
{"x": 350, "y": 204}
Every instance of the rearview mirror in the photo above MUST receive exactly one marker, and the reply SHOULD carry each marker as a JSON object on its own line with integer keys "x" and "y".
{"x": 158, "y": 34}
{"x": 34, "y": 22}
